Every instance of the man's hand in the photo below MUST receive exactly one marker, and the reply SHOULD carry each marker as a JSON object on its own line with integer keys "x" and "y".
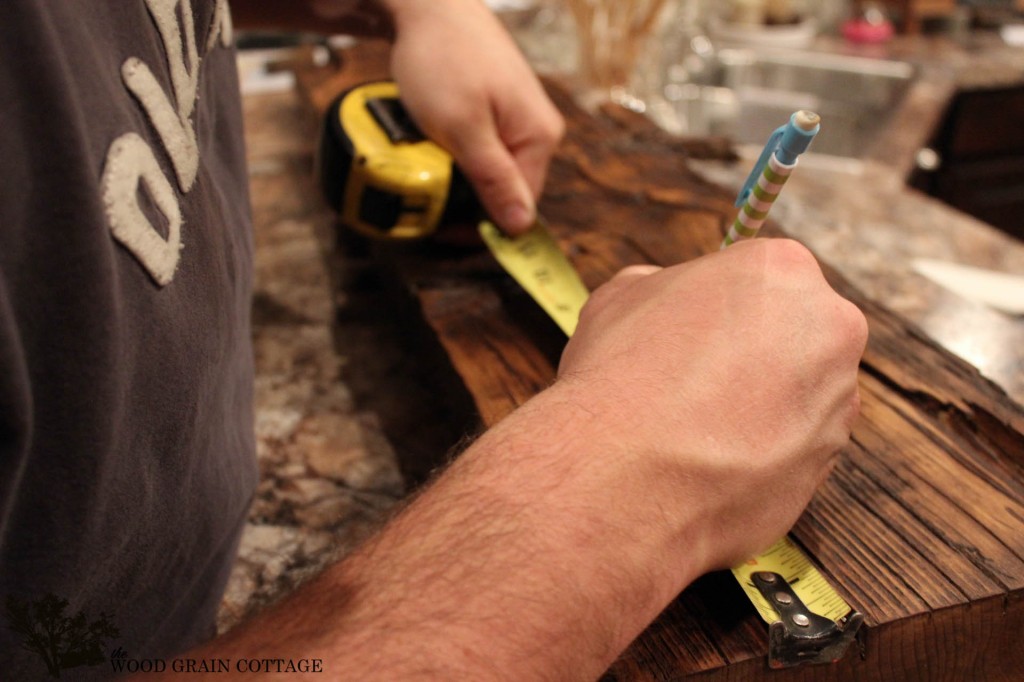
{"x": 468, "y": 87}
{"x": 462, "y": 79}
{"x": 725, "y": 386}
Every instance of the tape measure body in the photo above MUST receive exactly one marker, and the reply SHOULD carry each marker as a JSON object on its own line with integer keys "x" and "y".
{"x": 385, "y": 179}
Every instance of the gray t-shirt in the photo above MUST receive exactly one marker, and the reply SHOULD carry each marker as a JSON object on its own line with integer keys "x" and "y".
{"x": 126, "y": 439}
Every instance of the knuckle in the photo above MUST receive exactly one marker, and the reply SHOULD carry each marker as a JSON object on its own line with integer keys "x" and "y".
{"x": 853, "y": 325}
{"x": 599, "y": 297}
{"x": 598, "y": 301}
{"x": 789, "y": 254}
{"x": 773, "y": 259}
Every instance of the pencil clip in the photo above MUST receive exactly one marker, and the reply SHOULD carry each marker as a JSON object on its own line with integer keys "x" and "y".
{"x": 762, "y": 161}
{"x": 801, "y": 636}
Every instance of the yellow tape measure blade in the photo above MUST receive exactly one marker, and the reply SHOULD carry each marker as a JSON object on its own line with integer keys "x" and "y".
{"x": 534, "y": 260}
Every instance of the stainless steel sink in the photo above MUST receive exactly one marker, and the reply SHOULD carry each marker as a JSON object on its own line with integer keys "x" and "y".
{"x": 746, "y": 94}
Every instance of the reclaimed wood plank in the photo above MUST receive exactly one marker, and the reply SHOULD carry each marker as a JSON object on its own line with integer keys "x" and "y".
{"x": 511, "y": 373}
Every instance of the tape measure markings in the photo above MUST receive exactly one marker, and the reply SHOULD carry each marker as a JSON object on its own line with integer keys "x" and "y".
{"x": 539, "y": 266}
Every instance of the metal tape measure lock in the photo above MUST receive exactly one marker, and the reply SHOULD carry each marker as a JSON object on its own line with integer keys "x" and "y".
{"x": 383, "y": 177}
{"x": 808, "y": 621}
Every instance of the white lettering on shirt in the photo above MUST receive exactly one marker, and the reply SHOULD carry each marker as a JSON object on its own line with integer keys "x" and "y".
{"x": 131, "y": 161}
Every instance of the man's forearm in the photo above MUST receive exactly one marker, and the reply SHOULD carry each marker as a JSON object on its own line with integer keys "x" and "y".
{"x": 554, "y": 540}
{"x": 495, "y": 571}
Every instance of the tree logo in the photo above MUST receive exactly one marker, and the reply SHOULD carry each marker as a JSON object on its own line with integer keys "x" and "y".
{"x": 62, "y": 642}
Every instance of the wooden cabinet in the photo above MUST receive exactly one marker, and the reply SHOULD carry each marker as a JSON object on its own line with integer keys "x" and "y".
{"x": 980, "y": 148}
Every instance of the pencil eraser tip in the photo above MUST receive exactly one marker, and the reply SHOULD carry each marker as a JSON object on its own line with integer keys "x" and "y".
{"x": 806, "y": 120}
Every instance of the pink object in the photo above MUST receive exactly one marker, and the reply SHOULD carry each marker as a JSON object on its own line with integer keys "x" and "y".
{"x": 864, "y": 31}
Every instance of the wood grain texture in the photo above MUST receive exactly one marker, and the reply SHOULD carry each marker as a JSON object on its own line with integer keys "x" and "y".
{"x": 919, "y": 527}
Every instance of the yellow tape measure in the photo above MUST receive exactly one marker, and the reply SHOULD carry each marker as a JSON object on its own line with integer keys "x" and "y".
{"x": 535, "y": 261}
{"x": 785, "y": 558}
{"x": 808, "y": 621}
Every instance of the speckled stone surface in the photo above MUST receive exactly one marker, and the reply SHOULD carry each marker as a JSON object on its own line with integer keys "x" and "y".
{"x": 328, "y": 475}
{"x": 870, "y": 231}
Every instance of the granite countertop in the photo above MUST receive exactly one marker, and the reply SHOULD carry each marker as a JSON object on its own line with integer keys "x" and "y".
{"x": 863, "y": 219}
{"x": 328, "y": 474}
{"x": 326, "y": 357}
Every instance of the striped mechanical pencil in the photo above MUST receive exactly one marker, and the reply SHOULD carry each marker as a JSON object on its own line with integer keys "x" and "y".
{"x": 770, "y": 173}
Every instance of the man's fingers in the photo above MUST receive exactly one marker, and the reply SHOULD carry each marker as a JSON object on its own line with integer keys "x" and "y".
{"x": 499, "y": 183}
{"x": 506, "y": 165}
{"x": 533, "y": 155}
